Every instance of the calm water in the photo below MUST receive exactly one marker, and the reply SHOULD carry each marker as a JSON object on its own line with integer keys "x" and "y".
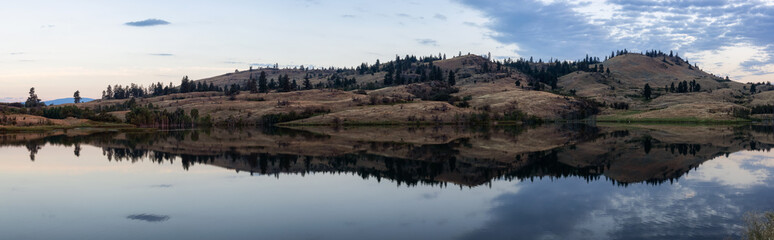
{"x": 548, "y": 182}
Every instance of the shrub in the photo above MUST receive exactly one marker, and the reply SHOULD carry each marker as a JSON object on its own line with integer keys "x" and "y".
{"x": 271, "y": 119}
{"x": 760, "y": 226}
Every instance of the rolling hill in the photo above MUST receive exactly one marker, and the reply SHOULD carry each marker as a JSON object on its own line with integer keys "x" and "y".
{"x": 66, "y": 100}
{"x": 417, "y": 91}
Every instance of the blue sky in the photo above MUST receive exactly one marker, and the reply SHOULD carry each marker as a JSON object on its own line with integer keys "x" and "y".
{"x": 59, "y": 47}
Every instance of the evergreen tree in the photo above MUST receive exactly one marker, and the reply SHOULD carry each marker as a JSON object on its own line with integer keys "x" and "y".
{"x": 307, "y": 83}
{"x": 252, "y": 84}
{"x": 108, "y": 93}
{"x": 185, "y": 85}
{"x": 452, "y": 80}
{"x": 33, "y": 100}
{"x": 388, "y": 76}
{"x": 77, "y": 96}
{"x": 646, "y": 92}
{"x": 284, "y": 83}
{"x": 262, "y": 84}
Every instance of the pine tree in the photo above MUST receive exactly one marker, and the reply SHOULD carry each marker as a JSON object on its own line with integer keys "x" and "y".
{"x": 307, "y": 83}
{"x": 33, "y": 100}
{"x": 388, "y": 76}
{"x": 284, "y": 83}
{"x": 77, "y": 96}
{"x": 252, "y": 84}
{"x": 262, "y": 84}
{"x": 185, "y": 85}
{"x": 646, "y": 92}
{"x": 108, "y": 93}
{"x": 452, "y": 80}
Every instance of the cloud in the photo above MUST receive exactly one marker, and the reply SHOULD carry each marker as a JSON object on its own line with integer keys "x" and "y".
{"x": 11, "y": 99}
{"x": 348, "y": 16}
{"x": 148, "y": 217}
{"x": 739, "y": 60}
{"x": 147, "y": 23}
{"x": 162, "y": 54}
{"x": 440, "y": 17}
{"x": 430, "y": 195}
{"x": 16, "y": 53}
{"x": 570, "y": 29}
{"x": 427, "y": 41}
{"x": 47, "y": 26}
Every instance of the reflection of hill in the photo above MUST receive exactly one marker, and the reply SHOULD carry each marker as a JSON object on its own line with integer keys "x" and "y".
{"x": 437, "y": 155}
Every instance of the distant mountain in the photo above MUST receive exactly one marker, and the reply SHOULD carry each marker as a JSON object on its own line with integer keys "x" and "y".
{"x": 66, "y": 100}
{"x": 11, "y": 99}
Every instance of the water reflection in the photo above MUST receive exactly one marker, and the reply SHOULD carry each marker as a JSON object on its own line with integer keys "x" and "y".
{"x": 547, "y": 182}
{"x": 433, "y": 155}
{"x": 148, "y": 217}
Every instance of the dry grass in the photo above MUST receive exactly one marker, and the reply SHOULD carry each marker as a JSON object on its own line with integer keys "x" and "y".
{"x": 316, "y": 76}
{"x": 490, "y": 92}
{"x": 688, "y": 112}
{"x": 420, "y": 111}
{"x": 759, "y": 226}
{"x": 764, "y": 98}
{"x": 503, "y": 95}
{"x": 25, "y": 120}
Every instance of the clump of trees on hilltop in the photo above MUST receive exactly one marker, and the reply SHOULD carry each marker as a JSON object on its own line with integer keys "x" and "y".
{"x": 684, "y": 87}
{"x": 156, "y": 89}
{"x": 548, "y": 73}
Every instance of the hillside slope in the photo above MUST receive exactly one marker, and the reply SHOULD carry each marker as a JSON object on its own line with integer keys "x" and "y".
{"x": 716, "y": 98}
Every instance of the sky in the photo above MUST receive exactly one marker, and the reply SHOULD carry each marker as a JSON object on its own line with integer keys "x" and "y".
{"x": 59, "y": 47}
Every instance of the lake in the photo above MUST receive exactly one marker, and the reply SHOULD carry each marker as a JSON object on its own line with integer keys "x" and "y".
{"x": 547, "y": 182}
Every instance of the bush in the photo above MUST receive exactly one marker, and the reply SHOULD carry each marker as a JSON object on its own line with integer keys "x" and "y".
{"x": 271, "y": 119}
{"x": 432, "y": 91}
{"x": 763, "y": 109}
{"x": 742, "y": 113}
{"x": 760, "y": 226}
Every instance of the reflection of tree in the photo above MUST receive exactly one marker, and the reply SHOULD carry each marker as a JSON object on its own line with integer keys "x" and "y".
{"x": 434, "y": 164}
{"x": 77, "y": 150}
{"x": 33, "y": 147}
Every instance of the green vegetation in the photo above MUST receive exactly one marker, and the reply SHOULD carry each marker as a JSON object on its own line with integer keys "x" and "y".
{"x": 762, "y": 109}
{"x": 45, "y": 128}
{"x": 647, "y": 91}
{"x": 271, "y": 119}
{"x": 675, "y": 120}
{"x": 759, "y": 226}
{"x": 33, "y": 101}
{"x": 439, "y": 80}
{"x": 76, "y": 112}
{"x": 153, "y": 117}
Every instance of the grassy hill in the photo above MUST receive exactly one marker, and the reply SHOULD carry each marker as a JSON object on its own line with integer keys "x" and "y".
{"x": 477, "y": 91}
{"x": 413, "y": 90}
{"x": 717, "y": 98}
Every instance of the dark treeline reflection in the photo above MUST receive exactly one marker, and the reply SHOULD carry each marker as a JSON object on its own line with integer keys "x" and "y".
{"x": 430, "y": 155}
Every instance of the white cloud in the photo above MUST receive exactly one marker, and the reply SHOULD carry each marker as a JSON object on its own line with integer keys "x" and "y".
{"x": 92, "y": 50}
{"x": 729, "y": 60}
{"x": 739, "y": 170}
